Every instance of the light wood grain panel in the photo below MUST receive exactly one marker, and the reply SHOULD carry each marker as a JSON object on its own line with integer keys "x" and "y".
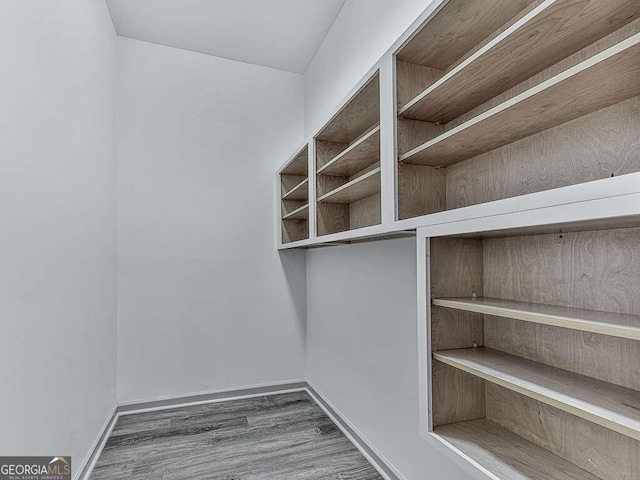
{"x": 456, "y": 267}
{"x": 332, "y": 218}
{"x": 412, "y": 133}
{"x": 599, "y": 145}
{"x": 457, "y": 395}
{"x": 598, "y": 450}
{"x": 457, "y": 28}
{"x": 299, "y": 191}
{"x": 289, "y": 206}
{"x": 290, "y": 181}
{"x": 608, "y": 405}
{"x": 507, "y": 455}
{"x": 605, "y": 323}
{"x": 455, "y": 329}
{"x": 359, "y": 155}
{"x": 421, "y": 190}
{"x": 551, "y": 32}
{"x": 365, "y": 212}
{"x": 356, "y": 189}
{"x": 599, "y": 356}
{"x": 603, "y": 80}
{"x": 328, "y": 183}
{"x": 300, "y": 213}
{"x": 360, "y": 114}
{"x": 327, "y": 151}
{"x": 411, "y": 79}
{"x": 598, "y": 270}
{"x": 294, "y": 230}
{"x": 299, "y": 165}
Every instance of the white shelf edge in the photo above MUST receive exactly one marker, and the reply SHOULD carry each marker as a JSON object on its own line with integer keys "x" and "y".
{"x": 352, "y": 147}
{"x": 350, "y": 184}
{"x": 564, "y": 321}
{"x": 297, "y": 210}
{"x": 305, "y": 181}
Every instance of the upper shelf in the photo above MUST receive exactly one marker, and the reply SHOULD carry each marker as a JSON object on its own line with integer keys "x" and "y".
{"x": 358, "y": 156}
{"x": 605, "y": 404}
{"x": 299, "y": 165}
{"x": 355, "y": 118}
{"x": 551, "y": 31}
{"x": 300, "y": 213}
{"x": 299, "y": 192}
{"x": 609, "y": 77}
{"x": 605, "y": 323}
{"x": 357, "y": 189}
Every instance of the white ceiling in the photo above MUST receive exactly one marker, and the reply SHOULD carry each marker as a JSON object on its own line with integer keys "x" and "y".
{"x": 282, "y": 34}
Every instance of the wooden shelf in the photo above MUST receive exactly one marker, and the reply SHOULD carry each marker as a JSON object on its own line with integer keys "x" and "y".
{"x": 361, "y": 154}
{"x": 605, "y": 323}
{"x": 506, "y": 455}
{"x": 357, "y": 189}
{"x": 607, "y": 78}
{"x": 603, "y": 403}
{"x": 301, "y": 213}
{"x": 299, "y": 165}
{"x": 299, "y": 192}
{"x": 550, "y": 32}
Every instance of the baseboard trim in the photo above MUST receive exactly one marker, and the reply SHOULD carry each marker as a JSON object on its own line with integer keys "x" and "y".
{"x": 210, "y": 397}
{"x": 377, "y": 460}
{"x": 86, "y": 467}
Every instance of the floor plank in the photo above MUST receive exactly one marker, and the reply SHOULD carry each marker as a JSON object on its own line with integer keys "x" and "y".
{"x": 271, "y": 437}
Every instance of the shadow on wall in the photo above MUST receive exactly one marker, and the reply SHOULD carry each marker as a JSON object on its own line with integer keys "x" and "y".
{"x": 294, "y": 266}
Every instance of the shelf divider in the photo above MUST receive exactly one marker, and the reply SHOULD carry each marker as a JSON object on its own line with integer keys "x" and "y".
{"x": 608, "y": 405}
{"x": 605, "y": 323}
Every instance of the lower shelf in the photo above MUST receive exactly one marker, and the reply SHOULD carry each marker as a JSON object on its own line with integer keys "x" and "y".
{"x": 301, "y": 213}
{"x": 507, "y": 456}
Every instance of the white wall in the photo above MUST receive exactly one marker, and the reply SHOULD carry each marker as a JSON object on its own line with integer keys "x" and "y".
{"x": 361, "y": 299}
{"x": 58, "y": 240}
{"x": 206, "y": 302}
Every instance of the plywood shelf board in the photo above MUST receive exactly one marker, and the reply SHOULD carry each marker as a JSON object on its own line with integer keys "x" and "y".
{"x": 299, "y": 165}
{"x": 299, "y": 192}
{"x": 553, "y": 30}
{"x": 605, "y": 323}
{"x": 506, "y": 455}
{"x": 300, "y": 213}
{"x": 456, "y": 29}
{"x": 360, "y": 114}
{"x": 608, "y": 405}
{"x": 359, "y": 155}
{"x": 357, "y": 189}
{"x": 609, "y": 77}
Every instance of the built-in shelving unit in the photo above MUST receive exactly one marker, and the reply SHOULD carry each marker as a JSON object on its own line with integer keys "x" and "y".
{"x": 294, "y": 194}
{"x": 534, "y": 344}
{"x": 495, "y": 98}
{"x": 348, "y": 164}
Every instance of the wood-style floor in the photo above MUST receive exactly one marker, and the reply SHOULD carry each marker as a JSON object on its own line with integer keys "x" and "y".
{"x": 283, "y": 436}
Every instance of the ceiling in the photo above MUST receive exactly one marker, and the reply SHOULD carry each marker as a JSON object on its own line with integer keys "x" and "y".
{"x": 283, "y": 34}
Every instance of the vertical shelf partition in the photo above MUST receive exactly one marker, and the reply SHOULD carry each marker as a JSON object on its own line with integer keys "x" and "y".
{"x": 294, "y": 194}
{"x": 348, "y": 164}
{"x": 501, "y": 98}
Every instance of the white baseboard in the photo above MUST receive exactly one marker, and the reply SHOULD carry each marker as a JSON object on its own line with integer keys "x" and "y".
{"x": 384, "y": 467}
{"x": 86, "y": 467}
{"x": 377, "y": 460}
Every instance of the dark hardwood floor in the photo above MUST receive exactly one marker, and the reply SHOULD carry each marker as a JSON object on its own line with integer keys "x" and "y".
{"x": 283, "y": 436}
